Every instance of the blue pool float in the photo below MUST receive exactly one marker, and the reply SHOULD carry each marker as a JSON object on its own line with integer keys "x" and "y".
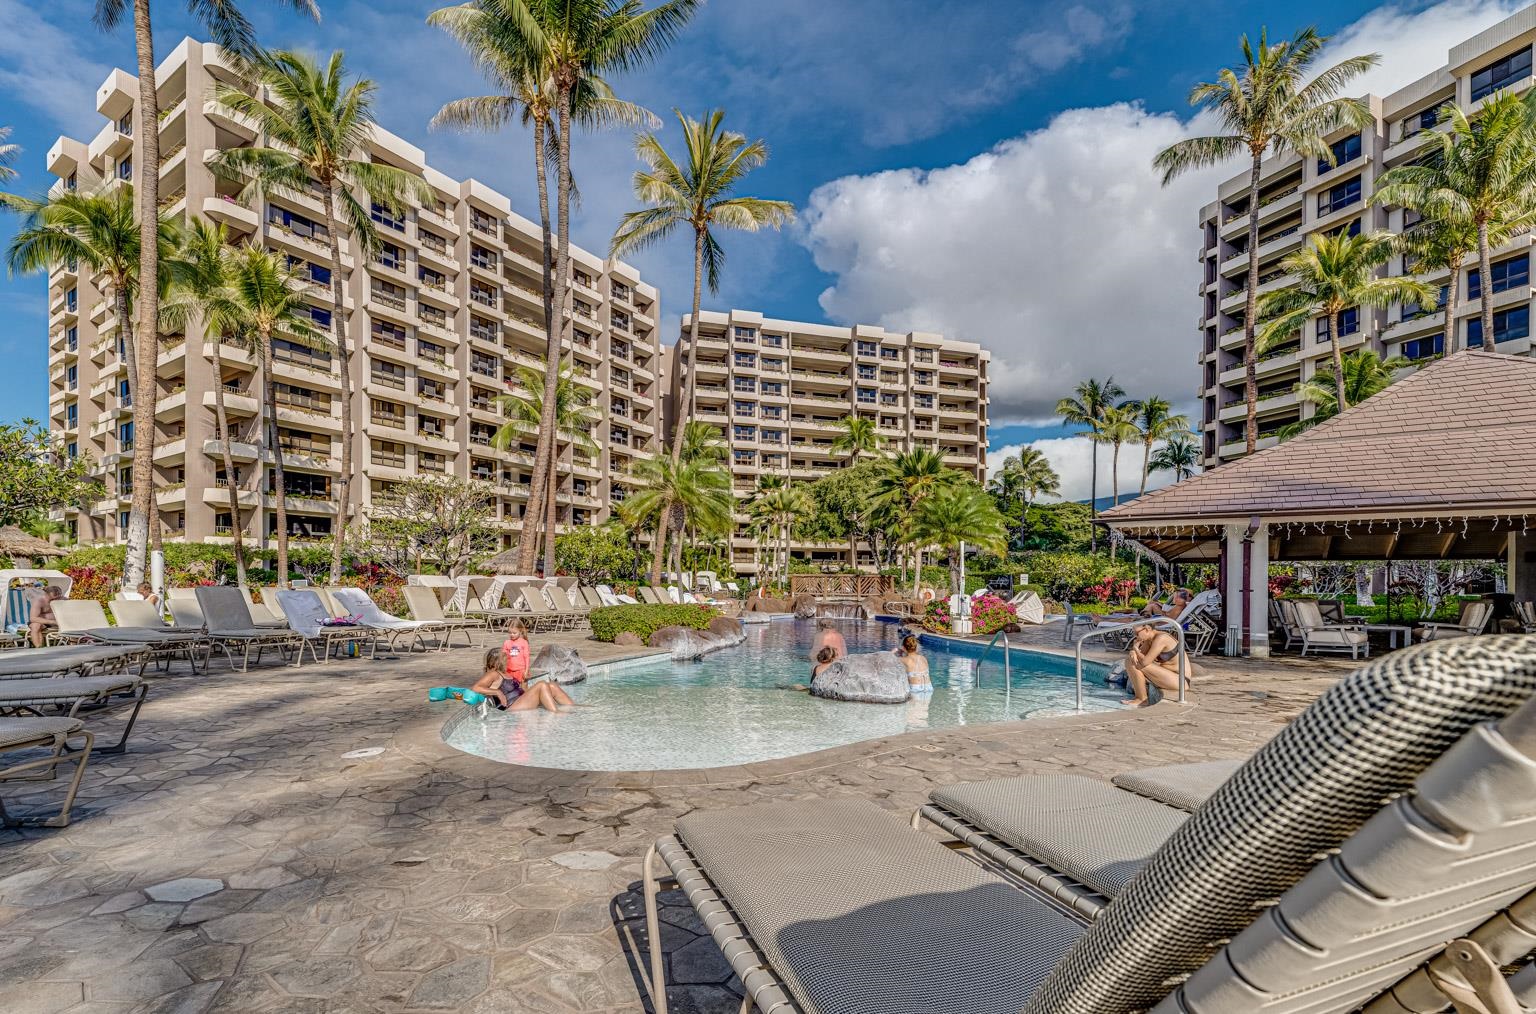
{"x": 457, "y": 693}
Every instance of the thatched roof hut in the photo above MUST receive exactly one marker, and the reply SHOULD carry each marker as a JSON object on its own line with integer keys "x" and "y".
{"x": 18, "y": 544}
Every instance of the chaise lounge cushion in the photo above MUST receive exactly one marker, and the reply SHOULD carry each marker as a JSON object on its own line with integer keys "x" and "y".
{"x": 24, "y": 730}
{"x": 1093, "y": 832}
{"x": 1181, "y": 786}
{"x": 863, "y": 915}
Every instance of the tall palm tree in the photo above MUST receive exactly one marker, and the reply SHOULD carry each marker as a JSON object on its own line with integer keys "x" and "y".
{"x": 199, "y": 276}
{"x": 1334, "y": 273}
{"x": 857, "y": 436}
{"x": 676, "y": 495}
{"x": 905, "y": 481}
{"x": 1086, "y": 408}
{"x": 777, "y": 510}
{"x": 1441, "y": 245}
{"x": 8, "y": 153}
{"x": 571, "y": 42}
{"x": 264, "y": 300}
{"x": 703, "y": 441}
{"x": 1365, "y": 374}
{"x": 1273, "y": 104}
{"x": 1156, "y": 421}
{"x": 1179, "y": 456}
{"x": 233, "y": 32}
{"x": 574, "y": 419}
{"x": 1030, "y": 475}
{"x": 1481, "y": 172}
{"x": 1118, "y": 427}
{"x": 316, "y": 127}
{"x": 698, "y": 194}
{"x": 957, "y": 514}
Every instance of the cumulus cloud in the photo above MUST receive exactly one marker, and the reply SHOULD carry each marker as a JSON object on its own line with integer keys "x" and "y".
{"x": 32, "y": 51}
{"x": 1072, "y": 458}
{"x": 1060, "y": 250}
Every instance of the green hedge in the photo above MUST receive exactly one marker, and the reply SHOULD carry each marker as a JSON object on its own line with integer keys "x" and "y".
{"x": 644, "y": 620}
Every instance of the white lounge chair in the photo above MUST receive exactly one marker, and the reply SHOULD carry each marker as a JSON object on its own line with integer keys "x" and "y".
{"x": 359, "y": 603}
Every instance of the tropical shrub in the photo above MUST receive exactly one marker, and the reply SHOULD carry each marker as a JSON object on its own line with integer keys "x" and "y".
{"x": 1071, "y": 577}
{"x": 644, "y": 620}
{"x": 597, "y": 553}
{"x": 989, "y": 614}
{"x": 382, "y": 585}
{"x": 99, "y": 583}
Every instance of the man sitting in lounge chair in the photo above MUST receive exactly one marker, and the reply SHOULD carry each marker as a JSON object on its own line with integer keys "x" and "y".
{"x": 41, "y": 618}
{"x": 1181, "y": 599}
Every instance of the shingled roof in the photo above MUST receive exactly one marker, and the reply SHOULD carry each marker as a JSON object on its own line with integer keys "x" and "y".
{"x": 1457, "y": 437}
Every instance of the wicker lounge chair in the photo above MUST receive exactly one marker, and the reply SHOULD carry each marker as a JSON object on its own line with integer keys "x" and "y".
{"x": 49, "y": 698}
{"x": 1472, "y": 621}
{"x": 536, "y": 613}
{"x": 72, "y": 660}
{"x": 28, "y": 735}
{"x": 83, "y": 621}
{"x": 307, "y": 613}
{"x": 230, "y": 626}
{"x": 426, "y": 605}
{"x": 833, "y": 907}
{"x": 359, "y": 603}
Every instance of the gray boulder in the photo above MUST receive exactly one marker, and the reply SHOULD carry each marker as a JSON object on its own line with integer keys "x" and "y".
{"x": 685, "y": 643}
{"x": 561, "y": 664}
{"x": 628, "y": 639}
{"x": 805, "y": 607}
{"x": 870, "y": 678}
{"x": 727, "y": 629}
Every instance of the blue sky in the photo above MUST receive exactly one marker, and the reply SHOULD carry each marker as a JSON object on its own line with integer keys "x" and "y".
{"x": 955, "y": 159}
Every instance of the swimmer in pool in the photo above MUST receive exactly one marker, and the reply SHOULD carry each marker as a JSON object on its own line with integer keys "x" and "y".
{"x": 916, "y": 665}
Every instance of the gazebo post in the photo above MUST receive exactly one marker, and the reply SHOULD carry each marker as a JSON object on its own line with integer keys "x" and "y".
{"x": 1232, "y": 597}
{"x": 1258, "y": 591}
{"x": 1245, "y": 587}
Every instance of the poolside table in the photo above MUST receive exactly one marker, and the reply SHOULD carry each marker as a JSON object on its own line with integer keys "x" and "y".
{"x": 1394, "y": 632}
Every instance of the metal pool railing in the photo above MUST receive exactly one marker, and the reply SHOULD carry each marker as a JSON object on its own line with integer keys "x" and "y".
{"x": 1154, "y": 621}
{"x": 1007, "y": 666}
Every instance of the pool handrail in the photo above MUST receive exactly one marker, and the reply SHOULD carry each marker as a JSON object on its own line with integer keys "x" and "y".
{"x": 1007, "y": 668}
{"x": 1151, "y": 621}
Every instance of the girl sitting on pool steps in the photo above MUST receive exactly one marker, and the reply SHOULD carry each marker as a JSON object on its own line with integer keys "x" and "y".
{"x": 506, "y": 678}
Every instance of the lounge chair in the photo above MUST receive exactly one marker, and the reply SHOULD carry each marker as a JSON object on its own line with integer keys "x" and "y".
{"x": 84, "y": 621}
{"x": 1525, "y": 617}
{"x": 359, "y": 603}
{"x": 1294, "y": 888}
{"x": 651, "y": 597}
{"x": 1318, "y": 636}
{"x": 230, "y": 626}
{"x": 1028, "y": 606}
{"x": 48, "y": 698}
{"x": 1472, "y": 621}
{"x": 535, "y": 612}
{"x": 307, "y": 614}
{"x": 592, "y": 599}
{"x": 425, "y": 604}
{"x": 261, "y": 612}
{"x": 186, "y": 613}
{"x": 613, "y": 598}
{"x": 72, "y": 660}
{"x": 27, "y": 735}
{"x": 574, "y": 614}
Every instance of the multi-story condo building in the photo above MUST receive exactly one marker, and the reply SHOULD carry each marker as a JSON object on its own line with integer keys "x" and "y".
{"x": 1302, "y": 197}
{"x": 777, "y": 389}
{"x": 439, "y": 322}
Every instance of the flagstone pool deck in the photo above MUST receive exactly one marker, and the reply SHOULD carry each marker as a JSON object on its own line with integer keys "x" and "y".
{"x": 234, "y": 860}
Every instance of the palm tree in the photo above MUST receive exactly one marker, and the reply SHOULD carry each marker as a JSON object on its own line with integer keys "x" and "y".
{"x": 905, "y": 481}
{"x": 264, "y": 301}
{"x": 956, "y": 514}
{"x": 1441, "y": 245}
{"x": 1156, "y": 421}
{"x": 1482, "y": 173}
{"x": 574, "y": 419}
{"x": 676, "y": 495}
{"x": 1334, "y": 273}
{"x": 776, "y": 510}
{"x": 1179, "y": 456}
{"x": 858, "y": 436}
{"x": 8, "y": 153}
{"x": 1117, "y": 428}
{"x": 232, "y": 32}
{"x": 1030, "y": 475}
{"x": 1365, "y": 374}
{"x": 316, "y": 126}
{"x": 570, "y": 43}
{"x": 703, "y": 441}
{"x": 1273, "y": 104}
{"x": 1092, "y": 397}
{"x": 698, "y": 194}
{"x": 199, "y": 276}
{"x": 528, "y": 94}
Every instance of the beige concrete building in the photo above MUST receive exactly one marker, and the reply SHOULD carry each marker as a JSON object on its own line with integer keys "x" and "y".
{"x": 777, "y": 389}
{"x": 1302, "y": 197}
{"x": 439, "y": 322}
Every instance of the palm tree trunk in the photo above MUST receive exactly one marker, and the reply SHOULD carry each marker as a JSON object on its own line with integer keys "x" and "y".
{"x": 529, "y": 538}
{"x": 1250, "y": 313}
{"x": 1093, "y": 495}
{"x": 1336, "y": 340}
{"x": 917, "y": 571}
{"x": 148, "y": 191}
{"x": 1452, "y": 293}
{"x": 280, "y": 506}
{"x": 1485, "y": 287}
{"x": 658, "y": 547}
{"x": 685, "y": 407}
{"x": 221, "y": 417}
{"x": 1146, "y": 465}
{"x": 552, "y": 507}
{"x": 1114, "y": 489}
{"x": 343, "y": 360}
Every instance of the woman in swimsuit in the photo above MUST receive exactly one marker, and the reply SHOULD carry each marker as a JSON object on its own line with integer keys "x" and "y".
{"x": 916, "y": 666}
{"x": 511, "y": 692}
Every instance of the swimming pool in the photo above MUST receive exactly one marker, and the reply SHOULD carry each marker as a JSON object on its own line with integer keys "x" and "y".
{"x": 732, "y": 707}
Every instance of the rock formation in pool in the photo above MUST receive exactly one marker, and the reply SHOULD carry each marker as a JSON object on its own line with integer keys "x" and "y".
{"x": 561, "y": 664}
{"x": 875, "y": 677}
{"x": 686, "y": 643}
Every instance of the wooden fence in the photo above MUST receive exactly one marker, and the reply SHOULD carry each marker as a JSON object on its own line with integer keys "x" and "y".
{"x": 842, "y": 586}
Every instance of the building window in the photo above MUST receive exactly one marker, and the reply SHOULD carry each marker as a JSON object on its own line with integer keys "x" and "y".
{"x": 745, "y": 384}
{"x": 868, "y": 349}
{"x": 73, "y": 182}
{"x": 1507, "y": 274}
{"x": 745, "y": 333}
{"x": 72, "y": 300}
{"x": 72, "y": 450}
{"x": 1508, "y": 325}
{"x": 71, "y": 378}
{"x": 772, "y": 388}
{"x": 744, "y": 432}
{"x": 71, "y": 416}
{"x": 1505, "y": 72}
{"x": 391, "y": 256}
{"x": 125, "y": 436}
{"x": 296, "y": 223}
{"x": 1340, "y": 196}
{"x": 746, "y": 360}
{"x": 866, "y": 396}
{"x": 125, "y": 169}
{"x": 1345, "y": 150}
{"x": 1422, "y": 348}
{"x": 745, "y": 408}
{"x": 382, "y": 215}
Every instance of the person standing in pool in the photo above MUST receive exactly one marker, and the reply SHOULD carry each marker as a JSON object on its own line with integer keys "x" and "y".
{"x": 916, "y": 665}
{"x": 512, "y": 692}
{"x": 828, "y": 636}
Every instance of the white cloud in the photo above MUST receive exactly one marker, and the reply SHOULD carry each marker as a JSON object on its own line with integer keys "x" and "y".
{"x": 32, "y": 51}
{"x": 1072, "y": 458}
{"x": 1060, "y": 250}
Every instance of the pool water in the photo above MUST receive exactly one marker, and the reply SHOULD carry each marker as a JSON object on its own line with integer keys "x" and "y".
{"x": 735, "y": 706}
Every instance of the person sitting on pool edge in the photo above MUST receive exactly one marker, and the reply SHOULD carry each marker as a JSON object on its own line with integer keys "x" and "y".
{"x": 916, "y": 665}
{"x": 828, "y": 636}
{"x": 510, "y": 690}
{"x": 1146, "y": 664}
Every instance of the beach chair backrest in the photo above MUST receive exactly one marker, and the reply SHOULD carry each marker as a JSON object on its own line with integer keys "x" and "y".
{"x": 304, "y": 609}
{"x": 185, "y": 594}
{"x": 1238, "y": 899}
{"x": 79, "y": 614}
{"x": 475, "y": 590}
{"x": 224, "y": 608}
{"x": 273, "y": 603}
{"x": 186, "y": 613}
{"x": 648, "y": 596}
{"x": 1475, "y": 615}
{"x": 1308, "y": 615}
{"x": 1288, "y": 617}
{"x": 137, "y": 613}
{"x": 1332, "y": 610}
{"x": 591, "y": 597}
{"x": 530, "y": 601}
{"x": 423, "y": 603}
{"x": 561, "y": 601}
{"x": 328, "y": 596}
{"x": 356, "y": 602}
{"x": 1525, "y": 612}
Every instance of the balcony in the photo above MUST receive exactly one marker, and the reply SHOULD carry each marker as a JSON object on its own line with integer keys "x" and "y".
{"x": 239, "y": 450}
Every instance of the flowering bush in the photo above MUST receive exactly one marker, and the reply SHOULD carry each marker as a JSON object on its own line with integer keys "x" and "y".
{"x": 989, "y": 614}
{"x": 383, "y": 586}
{"x": 936, "y": 616}
{"x": 1279, "y": 584}
{"x": 99, "y": 583}
{"x": 1116, "y": 590}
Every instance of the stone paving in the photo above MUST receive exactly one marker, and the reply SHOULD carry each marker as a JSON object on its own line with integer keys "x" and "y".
{"x": 235, "y": 860}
